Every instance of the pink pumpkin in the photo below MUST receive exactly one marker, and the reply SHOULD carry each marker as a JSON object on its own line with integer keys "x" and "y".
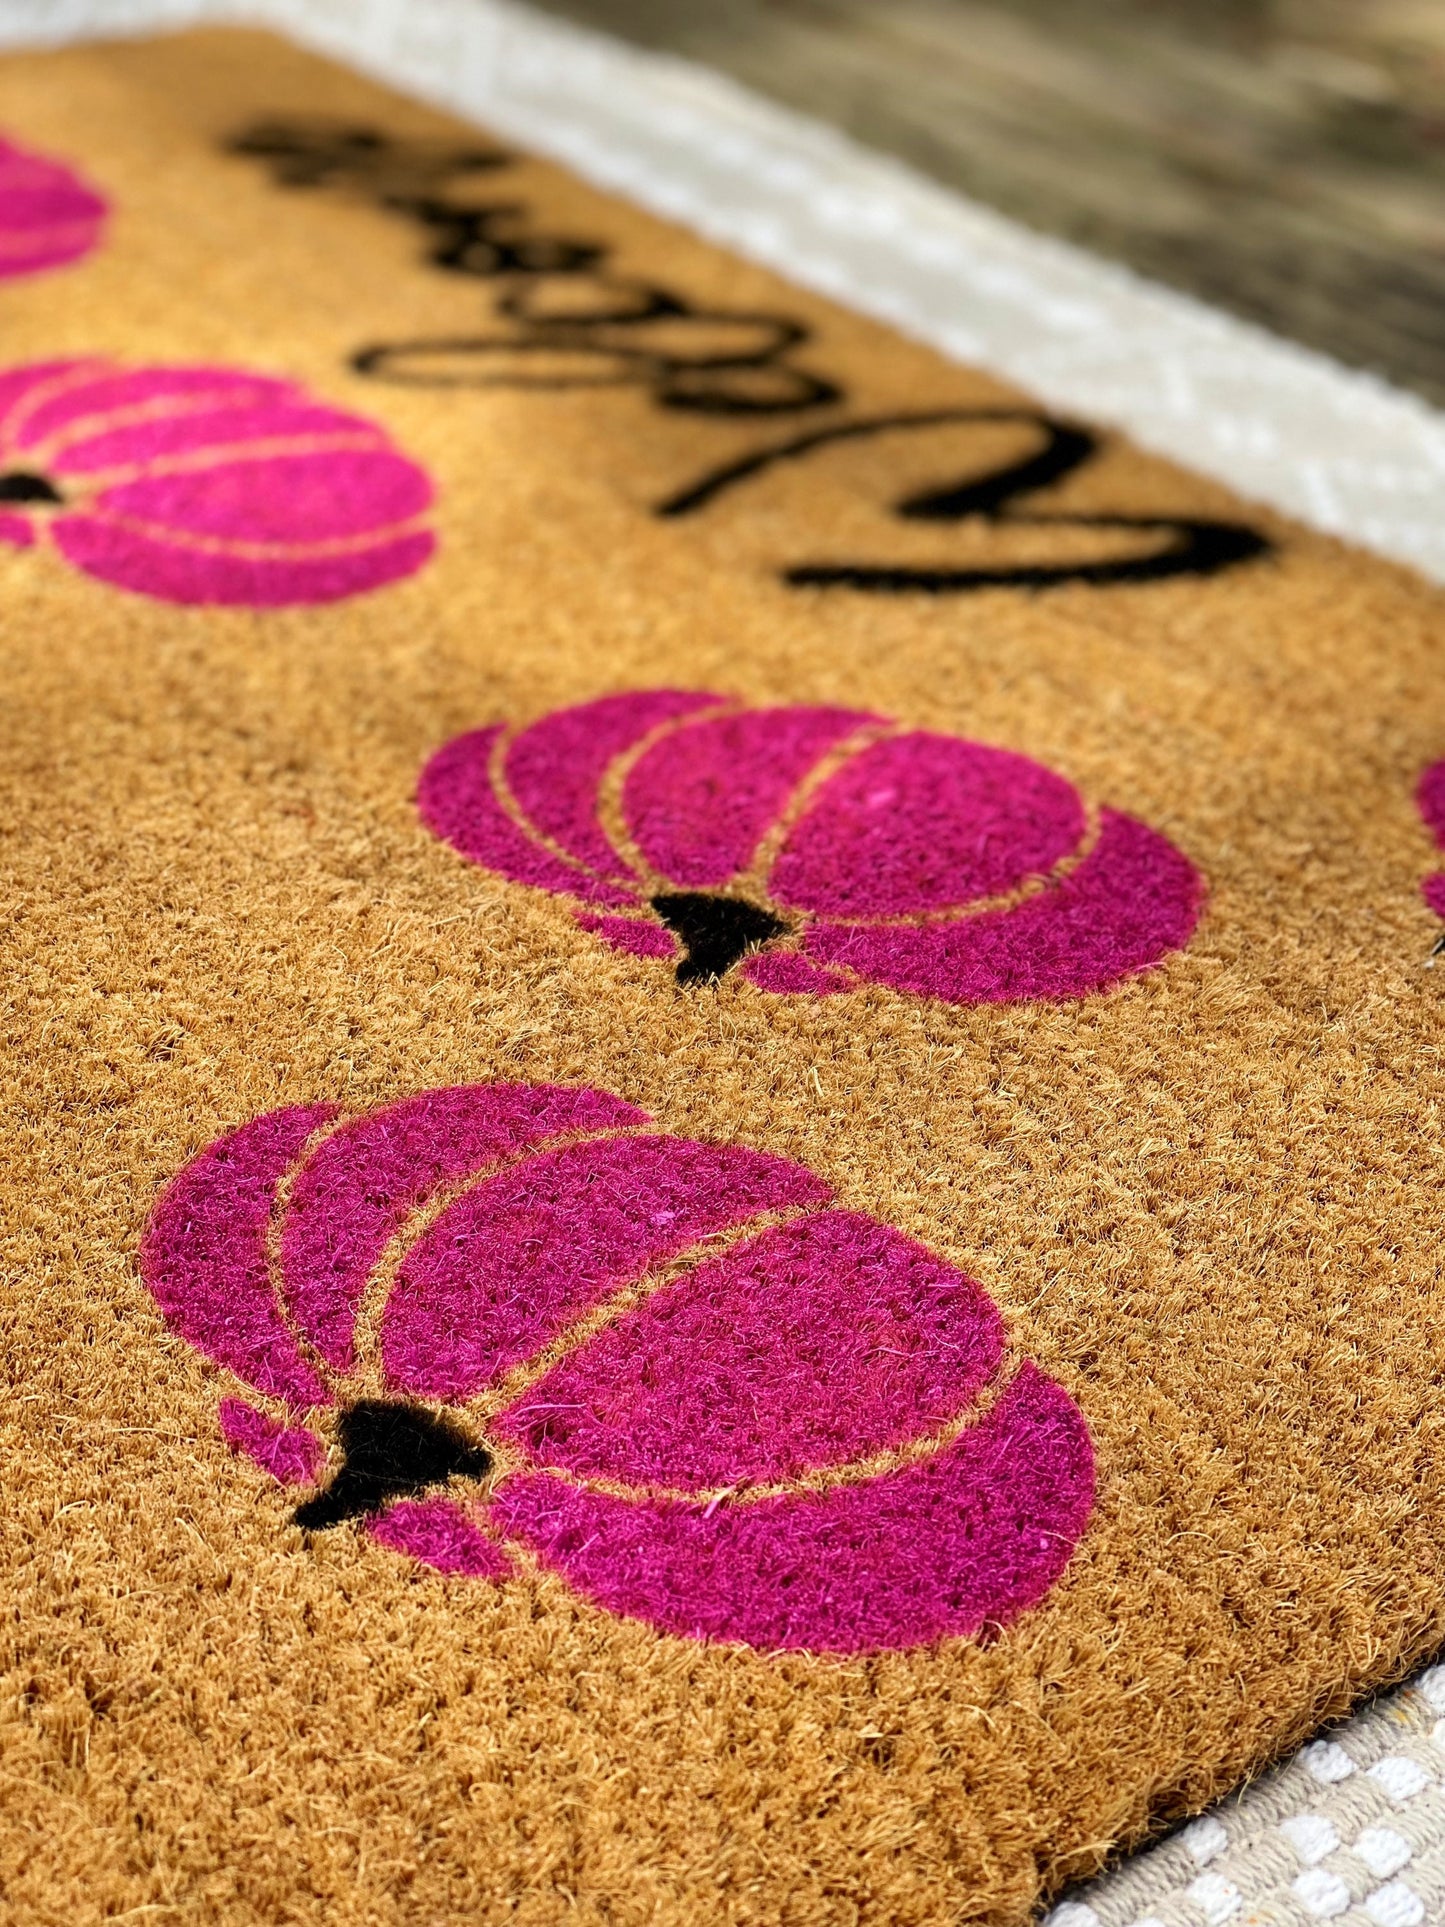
{"x": 48, "y": 216}
{"x": 837, "y": 847}
{"x": 1431, "y": 797}
{"x": 205, "y": 485}
{"x": 676, "y": 1372}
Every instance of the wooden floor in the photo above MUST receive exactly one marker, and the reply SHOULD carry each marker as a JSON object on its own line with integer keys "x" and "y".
{"x": 1282, "y": 158}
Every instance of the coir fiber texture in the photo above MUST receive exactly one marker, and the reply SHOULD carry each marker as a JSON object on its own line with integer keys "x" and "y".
{"x": 722, "y": 1085}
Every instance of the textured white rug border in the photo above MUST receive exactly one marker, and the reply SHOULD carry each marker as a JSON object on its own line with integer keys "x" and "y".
{"x": 1341, "y": 450}
{"x": 1350, "y": 1831}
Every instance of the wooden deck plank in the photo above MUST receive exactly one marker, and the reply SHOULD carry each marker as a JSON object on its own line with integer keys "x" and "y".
{"x": 1286, "y": 160}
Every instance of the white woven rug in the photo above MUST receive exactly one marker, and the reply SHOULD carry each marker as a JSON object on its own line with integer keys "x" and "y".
{"x": 1352, "y": 1830}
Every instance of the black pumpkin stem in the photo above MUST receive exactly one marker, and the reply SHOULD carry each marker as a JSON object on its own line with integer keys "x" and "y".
{"x": 714, "y": 931}
{"x": 390, "y": 1452}
{"x": 20, "y": 485}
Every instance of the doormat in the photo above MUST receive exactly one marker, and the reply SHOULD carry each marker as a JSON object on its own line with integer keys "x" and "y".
{"x": 721, "y": 1134}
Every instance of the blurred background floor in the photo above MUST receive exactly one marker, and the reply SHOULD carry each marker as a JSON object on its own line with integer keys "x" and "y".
{"x": 1284, "y": 159}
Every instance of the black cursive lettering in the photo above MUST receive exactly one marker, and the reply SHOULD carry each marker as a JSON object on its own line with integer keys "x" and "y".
{"x": 568, "y": 322}
{"x": 574, "y": 324}
{"x": 1196, "y": 547}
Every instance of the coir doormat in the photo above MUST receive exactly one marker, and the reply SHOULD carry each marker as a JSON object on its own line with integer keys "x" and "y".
{"x": 722, "y": 1110}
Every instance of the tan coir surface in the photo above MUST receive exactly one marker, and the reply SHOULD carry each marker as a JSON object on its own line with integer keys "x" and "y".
{"x": 1206, "y": 1201}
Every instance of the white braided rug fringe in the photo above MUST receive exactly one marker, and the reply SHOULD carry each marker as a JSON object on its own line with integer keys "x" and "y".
{"x": 1352, "y": 1830}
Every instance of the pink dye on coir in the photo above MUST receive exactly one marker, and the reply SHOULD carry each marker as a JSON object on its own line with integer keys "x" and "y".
{"x": 290, "y": 1453}
{"x": 767, "y": 1419}
{"x": 205, "y": 485}
{"x": 440, "y": 1534}
{"x": 49, "y": 216}
{"x": 815, "y": 848}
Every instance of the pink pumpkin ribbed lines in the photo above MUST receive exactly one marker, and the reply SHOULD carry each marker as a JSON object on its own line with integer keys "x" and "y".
{"x": 457, "y": 788}
{"x": 367, "y": 1178}
{"x": 206, "y": 1259}
{"x": 702, "y": 799}
{"x": 1125, "y": 906}
{"x": 518, "y": 1258}
{"x": 678, "y": 1400}
{"x": 555, "y": 768}
{"x": 732, "y": 1374}
{"x": 926, "y": 822}
{"x": 49, "y": 216}
{"x": 205, "y": 485}
{"x": 815, "y": 848}
{"x": 290, "y": 1453}
{"x": 630, "y": 935}
{"x": 442, "y": 1535}
{"x": 970, "y": 1537}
